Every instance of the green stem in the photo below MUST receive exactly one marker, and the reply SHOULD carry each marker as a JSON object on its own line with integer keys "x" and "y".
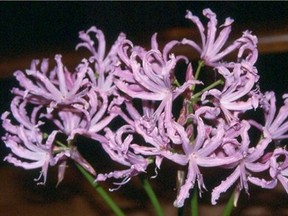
{"x": 152, "y": 196}
{"x": 229, "y": 207}
{"x": 198, "y": 94}
{"x": 200, "y": 65}
{"x": 194, "y": 202}
{"x": 45, "y": 135}
{"x": 115, "y": 208}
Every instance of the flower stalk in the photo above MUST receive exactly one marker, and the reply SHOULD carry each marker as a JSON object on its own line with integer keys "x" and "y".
{"x": 152, "y": 196}
{"x": 213, "y": 85}
{"x": 101, "y": 191}
{"x": 197, "y": 74}
{"x": 194, "y": 202}
{"x": 229, "y": 206}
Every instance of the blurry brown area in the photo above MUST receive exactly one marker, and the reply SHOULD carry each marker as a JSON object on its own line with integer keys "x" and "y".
{"x": 20, "y": 194}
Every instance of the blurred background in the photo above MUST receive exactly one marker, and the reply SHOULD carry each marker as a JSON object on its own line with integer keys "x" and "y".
{"x": 30, "y": 30}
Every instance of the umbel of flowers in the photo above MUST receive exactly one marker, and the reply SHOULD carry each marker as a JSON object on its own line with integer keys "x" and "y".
{"x": 139, "y": 88}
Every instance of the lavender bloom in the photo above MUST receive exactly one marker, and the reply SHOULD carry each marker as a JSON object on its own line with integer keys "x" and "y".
{"x": 51, "y": 88}
{"x": 213, "y": 49}
{"x": 151, "y": 80}
{"x": 88, "y": 119}
{"x": 103, "y": 65}
{"x": 117, "y": 146}
{"x": 279, "y": 167}
{"x": 277, "y": 162}
{"x": 77, "y": 103}
{"x": 30, "y": 147}
{"x": 250, "y": 161}
{"x": 157, "y": 143}
{"x": 275, "y": 123}
{"x": 237, "y": 95}
{"x": 200, "y": 153}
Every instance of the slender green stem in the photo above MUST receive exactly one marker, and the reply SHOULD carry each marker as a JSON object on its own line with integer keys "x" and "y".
{"x": 194, "y": 202}
{"x": 200, "y": 65}
{"x": 45, "y": 135}
{"x": 229, "y": 206}
{"x": 198, "y": 94}
{"x": 192, "y": 88}
{"x": 152, "y": 196}
{"x": 115, "y": 208}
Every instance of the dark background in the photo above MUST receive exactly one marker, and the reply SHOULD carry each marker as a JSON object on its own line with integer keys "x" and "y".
{"x": 51, "y": 26}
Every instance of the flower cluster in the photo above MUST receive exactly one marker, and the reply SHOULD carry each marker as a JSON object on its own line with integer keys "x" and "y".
{"x": 140, "y": 89}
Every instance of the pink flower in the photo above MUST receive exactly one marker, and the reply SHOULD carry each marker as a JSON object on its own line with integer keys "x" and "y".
{"x": 200, "y": 153}
{"x": 279, "y": 167}
{"x": 250, "y": 160}
{"x": 31, "y": 148}
{"x": 276, "y": 123}
{"x": 88, "y": 118}
{"x": 55, "y": 87}
{"x": 117, "y": 146}
{"x": 157, "y": 142}
{"x": 28, "y": 147}
{"x": 101, "y": 75}
{"x": 237, "y": 95}
{"x": 214, "y": 49}
{"x": 148, "y": 76}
